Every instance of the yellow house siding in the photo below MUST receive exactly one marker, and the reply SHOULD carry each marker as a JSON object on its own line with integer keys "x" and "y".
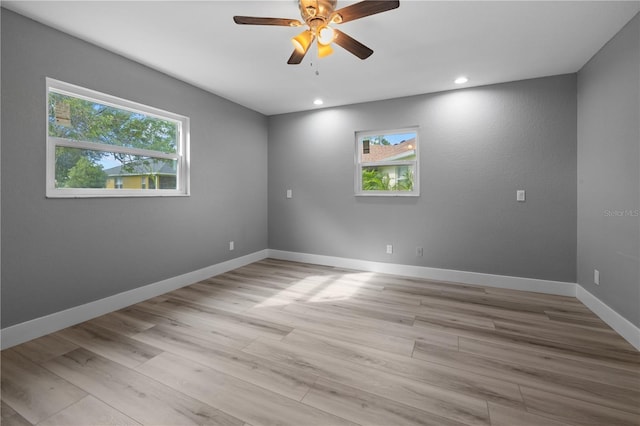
{"x": 129, "y": 182}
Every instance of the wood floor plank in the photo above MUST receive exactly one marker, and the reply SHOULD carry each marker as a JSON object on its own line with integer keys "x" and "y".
{"x": 575, "y": 336}
{"x": 609, "y": 356}
{"x": 290, "y": 382}
{"x": 584, "y": 320}
{"x": 45, "y": 348}
{"x": 9, "y": 417}
{"x": 121, "y": 323}
{"x": 381, "y": 322}
{"x": 575, "y": 411}
{"x": 109, "y": 344}
{"x": 365, "y": 408}
{"x": 302, "y": 291}
{"x": 214, "y": 331}
{"x": 488, "y": 312}
{"x": 551, "y": 381}
{"x": 580, "y": 369}
{"x": 133, "y": 394}
{"x": 426, "y": 288}
{"x": 261, "y": 296}
{"x": 33, "y": 392}
{"x": 257, "y": 327}
{"x": 505, "y": 302}
{"x": 89, "y": 411}
{"x": 507, "y": 416}
{"x": 207, "y": 297}
{"x": 241, "y": 399}
{"x": 436, "y": 374}
{"x": 457, "y": 318}
{"x": 320, "y": 315}
{"x": 436, "y": 400}
{"x": 543, "y": 298}
{"x": 343, "y": 330}
{"x": 354, "y": 310}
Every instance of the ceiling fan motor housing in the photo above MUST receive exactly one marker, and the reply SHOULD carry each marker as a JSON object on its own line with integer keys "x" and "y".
{"x": 317, "y": 12}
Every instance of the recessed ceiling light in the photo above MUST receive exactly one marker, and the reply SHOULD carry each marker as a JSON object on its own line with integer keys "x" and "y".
{"x": 318, "y": 102}
{"x": 461, "y": 80}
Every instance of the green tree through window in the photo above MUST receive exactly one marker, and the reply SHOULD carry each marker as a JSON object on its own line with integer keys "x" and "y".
{"x": 387, "y": 162}
{"x": 85, "y": 174}
{"x": 94, "y": 122}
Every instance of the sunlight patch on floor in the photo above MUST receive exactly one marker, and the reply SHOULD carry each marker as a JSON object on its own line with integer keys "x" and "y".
{"x": 319, "y": 288}
{"x": 294, "y": 292}
{"x": 340, "y": 290}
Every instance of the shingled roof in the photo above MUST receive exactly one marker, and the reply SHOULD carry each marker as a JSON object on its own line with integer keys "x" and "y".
{"x": 390, "y": 152}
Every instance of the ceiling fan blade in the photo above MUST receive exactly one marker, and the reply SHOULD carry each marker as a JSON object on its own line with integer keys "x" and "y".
{"x": 254, "y": 20}
{"x": 351, "y": 44}
{"x": 364, "y": 8}
{"x": 296, "y": 57}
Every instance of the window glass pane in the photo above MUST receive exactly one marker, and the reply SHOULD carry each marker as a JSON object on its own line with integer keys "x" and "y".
{"x": 389, "y": 147}
{"x": 82, "y": 120}
{"x": 388, "y": 178}
{"x": 80, "y": 168}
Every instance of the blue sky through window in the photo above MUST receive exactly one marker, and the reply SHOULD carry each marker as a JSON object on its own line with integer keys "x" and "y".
{"x": 399, "y": 137}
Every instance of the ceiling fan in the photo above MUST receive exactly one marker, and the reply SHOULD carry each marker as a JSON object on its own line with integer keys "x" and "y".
{"x": 318, "y": 15}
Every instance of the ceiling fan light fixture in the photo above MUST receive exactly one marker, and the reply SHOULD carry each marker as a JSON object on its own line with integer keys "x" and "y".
{"x": 302, "y": 41}
{"x": 324, "y": 50}
{"x": 318, "y": 15}
{"x": 326, "y": 35}
{"x": 461, "y": 80}
{"x": 336, "y": 18}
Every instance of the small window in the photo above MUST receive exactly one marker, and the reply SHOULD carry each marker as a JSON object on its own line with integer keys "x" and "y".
{"x": 387, "y": 163}
{"x": 102, "y": 146}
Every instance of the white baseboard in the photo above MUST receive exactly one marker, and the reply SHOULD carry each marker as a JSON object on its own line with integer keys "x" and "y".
{"x": 38, "y": 327}
{"x": 463, "y": 277}
{"x": 28, "y": 330}
{"x": 621, "y": 325}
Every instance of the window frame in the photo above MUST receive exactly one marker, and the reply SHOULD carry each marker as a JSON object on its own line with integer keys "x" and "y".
{"x": 181, "y": 156}
{"x": 360, "y": 165}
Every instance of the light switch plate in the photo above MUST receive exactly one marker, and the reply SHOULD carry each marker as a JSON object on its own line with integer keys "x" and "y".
{"x": 520, "y": 195}
{"x": 289, "y": 193}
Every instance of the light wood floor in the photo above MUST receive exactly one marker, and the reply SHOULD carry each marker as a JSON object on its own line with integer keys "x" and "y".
{"x": 282, "y": 343}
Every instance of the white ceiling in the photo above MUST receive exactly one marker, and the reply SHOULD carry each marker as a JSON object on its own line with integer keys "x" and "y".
{"x": 419, "y": 47}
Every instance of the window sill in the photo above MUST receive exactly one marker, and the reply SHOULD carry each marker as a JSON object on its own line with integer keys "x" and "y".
{"x": 387, "y": 194}
{"x": 62, "y": 193}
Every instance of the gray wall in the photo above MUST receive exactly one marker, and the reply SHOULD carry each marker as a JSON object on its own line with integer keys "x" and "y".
{"x": 478, "y": 146}
{"x": 609, "y": 173}
{"x": 59, "y": 253}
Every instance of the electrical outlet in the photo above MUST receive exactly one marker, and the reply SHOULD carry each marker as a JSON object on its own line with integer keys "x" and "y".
{"x": 419, "y": 251}
{"x": 389, "y": 249}
{"x": 596, "y": 277}
{"x": 231, "y": 246}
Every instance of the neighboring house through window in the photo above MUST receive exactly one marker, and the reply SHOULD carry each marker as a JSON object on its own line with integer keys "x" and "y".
{"x": 100, "y": 146}
{"x": 387, "y": 162}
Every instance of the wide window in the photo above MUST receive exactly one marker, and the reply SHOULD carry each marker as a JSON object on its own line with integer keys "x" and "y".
{"x": 387, "y": 163}
{"x": 102, "y": 146}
